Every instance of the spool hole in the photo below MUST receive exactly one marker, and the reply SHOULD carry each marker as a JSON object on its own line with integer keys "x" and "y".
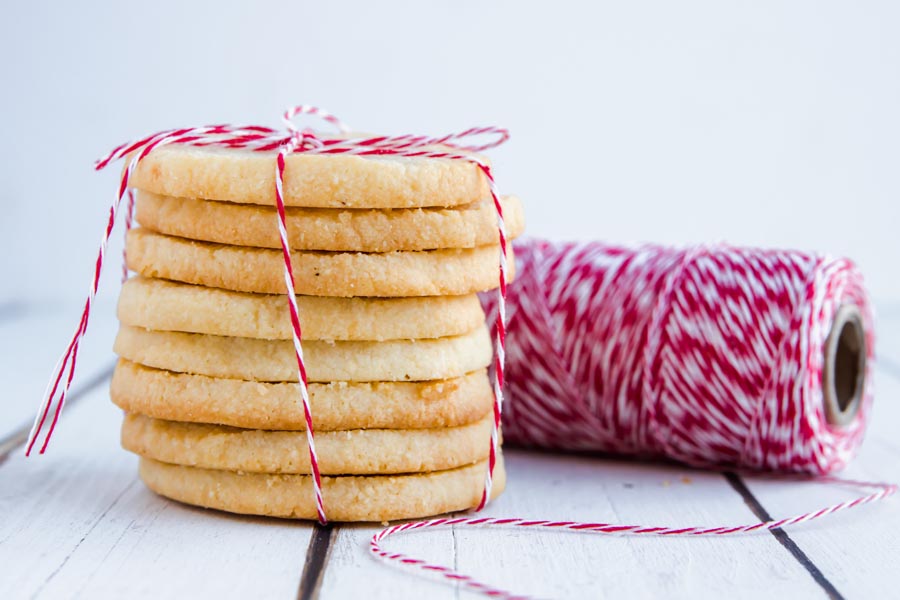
{"x": 845, "y": 366}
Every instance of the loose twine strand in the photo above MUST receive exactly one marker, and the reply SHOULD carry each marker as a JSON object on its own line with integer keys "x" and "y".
{"x": 472, "y": 583}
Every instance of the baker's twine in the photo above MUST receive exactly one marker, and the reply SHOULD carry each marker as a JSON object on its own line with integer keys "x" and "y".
{"x": 711, "y": 356}
{"x": 291, "y": 140}
{"x": 474, "y": 584}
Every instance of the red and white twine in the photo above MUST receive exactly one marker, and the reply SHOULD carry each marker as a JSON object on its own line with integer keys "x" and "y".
{"x": 708, "y": 356}
{"x": 455, "y": 146}
{"x": 711, "y": 356}
{"x": 471, "y": 583}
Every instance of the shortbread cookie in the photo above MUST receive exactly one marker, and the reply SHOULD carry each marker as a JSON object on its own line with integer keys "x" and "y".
{"x": 335, "y": 406}
{"x": 325, "y": 181}
{"x": 347, "y": 498}
{"x": 355, "y": 452}
{"x": 355, "y": 230}
{"x": 171, "y": 306}
{"x": 448, "y": 272}
{"x": 274, "y": 360}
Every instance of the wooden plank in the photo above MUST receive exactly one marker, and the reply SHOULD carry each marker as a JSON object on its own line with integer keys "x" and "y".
{"x": 77, "y": 522}
{"x": 548, "y": 564}
{"x": 30, "y": 344}
{"x": 16, "y": 439}
{"x": 788, "y": 543}
{"x": 856, "y": 550}
{"x": 582, "y": 488}
{"x": 353, "y": 573}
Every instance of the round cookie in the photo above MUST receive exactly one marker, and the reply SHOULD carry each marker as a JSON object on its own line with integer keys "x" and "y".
{"x": 171, "y": 306}
{"x": 335, "y": 405}
{"x": 355, "y": 230}
{"x": 325, "y": 181}
{"x": 354, "y": 452}
{"x": 274, "y": 360}
{"x": 347, "y": 498}
{"x": 449, "y": 272}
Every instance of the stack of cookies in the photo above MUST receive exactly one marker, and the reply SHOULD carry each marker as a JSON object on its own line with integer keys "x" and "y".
{"x": 388, "y": 255}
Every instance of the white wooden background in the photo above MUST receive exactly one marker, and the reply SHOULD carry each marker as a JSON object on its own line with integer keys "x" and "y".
{"x": 77, "y": 523}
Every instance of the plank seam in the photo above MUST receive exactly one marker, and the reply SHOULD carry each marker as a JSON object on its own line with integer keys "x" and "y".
{"x": 783, "y": 538}
{"x": 317, "y": 554}
{"x": 20, "y": 435}
{"x": 87, "y": 534}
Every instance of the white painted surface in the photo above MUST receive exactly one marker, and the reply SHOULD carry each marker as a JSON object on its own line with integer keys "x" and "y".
{"x": 768, "y": 123}
{"x": 32, "y": 338}
{"x": 569, "y": 565}
{"x": 78, "y": 523}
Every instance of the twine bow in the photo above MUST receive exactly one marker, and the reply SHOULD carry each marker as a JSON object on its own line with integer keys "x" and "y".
{"x": 291, "y": 140}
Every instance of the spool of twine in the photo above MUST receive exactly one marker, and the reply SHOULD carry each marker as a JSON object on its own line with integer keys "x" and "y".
{"x": 710, "y": 356}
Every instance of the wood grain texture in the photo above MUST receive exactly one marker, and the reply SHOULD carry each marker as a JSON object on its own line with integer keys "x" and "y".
{"x": 17, "y": 438}
{"x": 737, "y": 482}
{"x": 30, "y": 344}
{"x": 77, "y": 522}
{"x": 545, "y": 564}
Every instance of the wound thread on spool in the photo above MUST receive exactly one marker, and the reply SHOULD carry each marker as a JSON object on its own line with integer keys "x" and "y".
{"x": 710, "y": 356}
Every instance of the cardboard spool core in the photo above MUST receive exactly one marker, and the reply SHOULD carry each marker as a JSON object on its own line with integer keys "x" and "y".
{"x": 843, "y": 378}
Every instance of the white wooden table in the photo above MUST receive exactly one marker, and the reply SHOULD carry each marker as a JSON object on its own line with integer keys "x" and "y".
{"x": 78, "y": 523}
